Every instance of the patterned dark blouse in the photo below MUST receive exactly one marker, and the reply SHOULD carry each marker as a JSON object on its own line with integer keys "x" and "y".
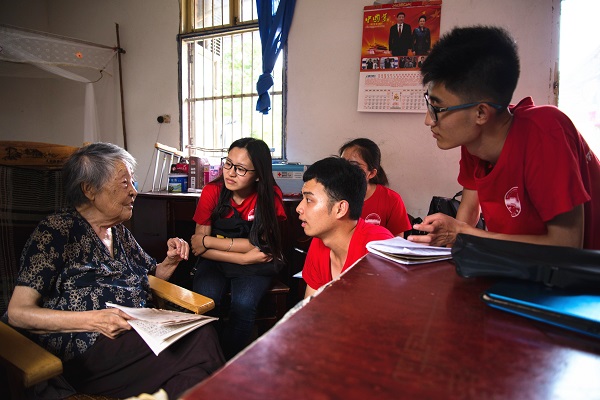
{"x": 67, "y": 263}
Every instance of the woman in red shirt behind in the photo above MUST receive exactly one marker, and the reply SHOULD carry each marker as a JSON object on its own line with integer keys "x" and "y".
{"x": 382, "y": 205}
{"x": 237, "y": 238}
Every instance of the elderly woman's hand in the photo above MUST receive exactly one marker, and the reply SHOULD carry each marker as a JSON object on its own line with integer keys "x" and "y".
{"x": 24, "y": 311}
{"x": 177, "y": 250}
{"x": 110, "y": 322}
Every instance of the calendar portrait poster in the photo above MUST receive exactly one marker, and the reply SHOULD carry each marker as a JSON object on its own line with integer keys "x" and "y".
{"x": 396, "y": 40}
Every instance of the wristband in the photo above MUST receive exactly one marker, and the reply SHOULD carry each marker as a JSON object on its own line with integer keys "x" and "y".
{"x": 203, "y": 245}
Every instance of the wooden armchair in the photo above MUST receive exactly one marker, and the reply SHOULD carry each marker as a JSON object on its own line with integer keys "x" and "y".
{"x": 30, "y": 189}
{"x": 28, "y": 364}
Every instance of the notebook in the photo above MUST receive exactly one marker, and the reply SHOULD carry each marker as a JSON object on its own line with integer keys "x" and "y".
{"x": 572, "y": 309}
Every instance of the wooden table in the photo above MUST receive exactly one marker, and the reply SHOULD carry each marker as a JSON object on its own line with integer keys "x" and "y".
{"x": 384, "y": 332}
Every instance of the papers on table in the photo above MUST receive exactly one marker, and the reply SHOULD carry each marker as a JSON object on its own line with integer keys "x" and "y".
{"x": 403, "y": 251}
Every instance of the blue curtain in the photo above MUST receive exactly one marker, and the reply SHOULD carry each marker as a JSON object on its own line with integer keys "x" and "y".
{"x": 274, "y": 21}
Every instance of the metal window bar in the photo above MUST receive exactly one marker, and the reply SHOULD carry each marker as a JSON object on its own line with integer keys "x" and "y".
{"x": 219, "y": 112}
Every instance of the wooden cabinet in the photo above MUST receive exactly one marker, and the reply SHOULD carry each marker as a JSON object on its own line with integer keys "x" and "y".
{"x": 158, "y": 216}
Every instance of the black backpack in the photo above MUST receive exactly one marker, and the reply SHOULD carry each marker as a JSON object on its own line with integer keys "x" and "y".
{"x": 449, "y": 206}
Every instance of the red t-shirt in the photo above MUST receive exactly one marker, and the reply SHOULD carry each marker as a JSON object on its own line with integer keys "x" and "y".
{"x": 317, "y": 270}
{"x": 545, "y": 169}
{"x": 210, "y": 197}
{"x": 386, "y": 208}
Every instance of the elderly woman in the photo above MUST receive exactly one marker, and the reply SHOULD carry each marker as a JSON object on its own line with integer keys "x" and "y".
{"x": 78, "y": 260}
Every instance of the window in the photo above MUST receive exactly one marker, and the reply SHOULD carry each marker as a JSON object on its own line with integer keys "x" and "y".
{"x": 221, "y": 60}
{"x": 579, "y": 64}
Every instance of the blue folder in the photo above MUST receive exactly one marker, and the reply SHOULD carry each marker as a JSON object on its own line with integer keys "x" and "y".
{"x": 576, "y": 310}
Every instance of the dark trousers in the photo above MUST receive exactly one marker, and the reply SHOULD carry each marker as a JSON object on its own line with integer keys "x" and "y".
{"x": 246, "y": 293}
{"x": 125, "y": 366}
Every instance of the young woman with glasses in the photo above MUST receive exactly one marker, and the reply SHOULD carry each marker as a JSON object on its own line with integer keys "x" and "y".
{"x": 237, "y": 238}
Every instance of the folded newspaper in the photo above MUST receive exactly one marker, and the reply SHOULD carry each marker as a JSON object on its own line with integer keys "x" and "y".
{"x": 406, "y": 252}
{"x": 161, "y": 328}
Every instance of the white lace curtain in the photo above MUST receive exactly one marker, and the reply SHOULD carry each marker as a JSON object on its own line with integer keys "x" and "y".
{"x": 69, "y": 58}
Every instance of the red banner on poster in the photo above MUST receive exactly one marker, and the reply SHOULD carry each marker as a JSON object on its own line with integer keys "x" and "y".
{"x": 396, "y": 40}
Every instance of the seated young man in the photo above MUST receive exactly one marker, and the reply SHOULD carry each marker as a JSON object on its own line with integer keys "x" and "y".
{"x": 333, "y": 195}
{"x": 527, "y": 167}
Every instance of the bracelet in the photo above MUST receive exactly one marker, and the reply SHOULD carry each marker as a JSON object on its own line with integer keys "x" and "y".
{"x": 230, "y": 245}
{"x": 203, "y": 245}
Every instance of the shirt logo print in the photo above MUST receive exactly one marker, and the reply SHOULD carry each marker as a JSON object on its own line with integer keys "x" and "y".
{"x": 373, "y": 218}
{"x": 513, "y": 202}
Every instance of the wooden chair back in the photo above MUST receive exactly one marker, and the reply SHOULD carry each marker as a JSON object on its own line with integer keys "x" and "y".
{"x": 30, "y": 189}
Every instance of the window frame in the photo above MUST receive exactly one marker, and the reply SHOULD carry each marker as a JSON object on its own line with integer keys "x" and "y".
{"x": 188, "y": 31}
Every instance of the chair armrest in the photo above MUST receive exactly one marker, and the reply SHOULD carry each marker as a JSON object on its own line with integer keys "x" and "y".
{"x": 30, "y": 362}
{"x": 180, "y": 296}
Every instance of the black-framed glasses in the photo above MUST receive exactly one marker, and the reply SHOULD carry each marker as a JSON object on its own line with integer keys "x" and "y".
{"x": 433, "y": 110}
{"x": 239, "y": 170}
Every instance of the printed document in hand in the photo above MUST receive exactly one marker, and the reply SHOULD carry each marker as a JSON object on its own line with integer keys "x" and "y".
{"x": 403, "y": 251}
{"x": 161, "y": 328}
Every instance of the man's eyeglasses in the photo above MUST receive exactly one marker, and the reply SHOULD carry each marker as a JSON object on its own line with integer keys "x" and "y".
{"x": 433, "y": 110}
{"x": 239, "y": 170}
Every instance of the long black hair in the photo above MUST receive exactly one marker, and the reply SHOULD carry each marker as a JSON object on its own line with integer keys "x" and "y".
{"x": 265, "y": 228}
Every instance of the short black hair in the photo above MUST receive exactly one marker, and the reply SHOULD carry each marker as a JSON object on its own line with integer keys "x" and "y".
{"x": 342, "y": 180}
{"x": 478, "y": 63}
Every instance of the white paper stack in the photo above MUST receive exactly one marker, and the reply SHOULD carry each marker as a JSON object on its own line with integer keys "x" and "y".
{"x": 403, "y": 251}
